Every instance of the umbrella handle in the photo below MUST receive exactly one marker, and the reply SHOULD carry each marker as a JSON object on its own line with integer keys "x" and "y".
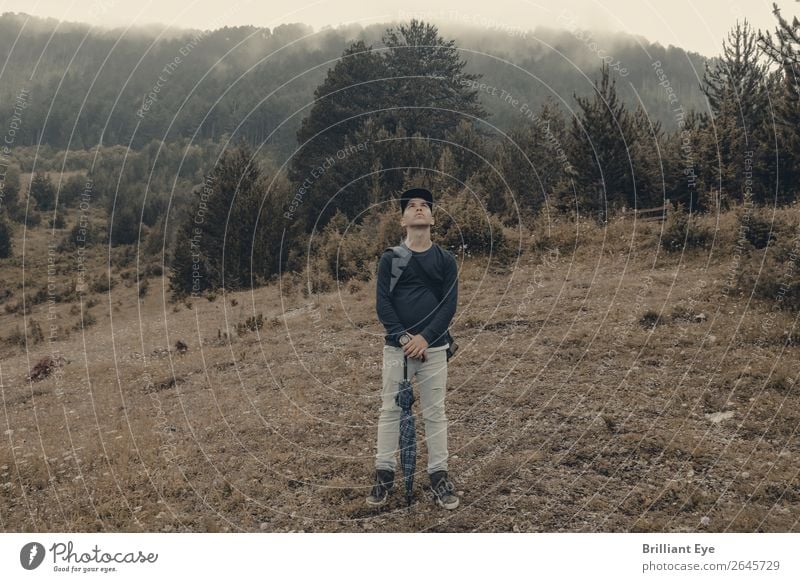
{"x": 405, "y": 367}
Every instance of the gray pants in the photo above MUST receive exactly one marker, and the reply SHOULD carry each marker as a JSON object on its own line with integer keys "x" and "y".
{"x": 431, "y": 386}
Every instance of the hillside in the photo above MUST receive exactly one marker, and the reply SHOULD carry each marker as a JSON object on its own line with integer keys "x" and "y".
{"x": 603, "y": 384}
{"x": 130, "y": 87}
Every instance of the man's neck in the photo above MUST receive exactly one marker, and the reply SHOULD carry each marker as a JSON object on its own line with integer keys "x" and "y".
{"x": 418, "y": 239}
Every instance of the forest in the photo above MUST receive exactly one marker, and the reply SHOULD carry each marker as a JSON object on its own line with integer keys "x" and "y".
{"x": 303, "y": 140}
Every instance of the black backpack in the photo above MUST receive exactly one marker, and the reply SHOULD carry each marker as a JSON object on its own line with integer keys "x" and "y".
{"x": 401, "y": 258}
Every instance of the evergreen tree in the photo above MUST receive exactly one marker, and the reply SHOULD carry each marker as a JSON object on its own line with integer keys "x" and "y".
{"x": 735, "y": 88}
{"x": 42, "y": 190}
{"x": 428, "y": 84}
{"x": 229, "y": 226}
{"x": 737, "y": 75}
{"x": 349, "y": 96}
{"x": 229, "y": 237}
{"x": 654, "y": 170}
{"x": 784, "y": 51}
{"x": 467, "y": 149}
{"x": 531, "y": 163}
{"x": 412, "y": 90}
{"x": 6, "y": 242}
{"x": 600, "y": 151}
{"x": 124, "y": 226}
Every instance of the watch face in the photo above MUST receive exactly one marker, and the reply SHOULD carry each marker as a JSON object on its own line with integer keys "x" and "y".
{"x": 404, "y": 339}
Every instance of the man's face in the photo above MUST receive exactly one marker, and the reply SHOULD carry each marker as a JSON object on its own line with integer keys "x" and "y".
{"x": 417, "y": 213}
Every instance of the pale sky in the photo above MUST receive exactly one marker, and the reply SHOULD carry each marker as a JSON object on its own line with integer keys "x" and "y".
{"x": 698, "y": 25}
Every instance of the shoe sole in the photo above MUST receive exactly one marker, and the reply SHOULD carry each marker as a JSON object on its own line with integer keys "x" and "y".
{"x": 451, "y": 506}
{"x": 377, "y": 503}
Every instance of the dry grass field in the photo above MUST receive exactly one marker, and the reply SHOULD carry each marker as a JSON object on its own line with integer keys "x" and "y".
{"x": 603, "y": 384}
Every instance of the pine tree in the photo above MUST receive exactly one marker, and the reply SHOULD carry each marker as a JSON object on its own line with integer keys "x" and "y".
{"x": 735, "y": 88}
{"x": 351, "y": 95}
{"x": 429, "y": 86}
{"x": 6, "y": 242}
{"x": 229, "y": 227}
{"x": 531, "y": 162}
{"x": 654, "y": 170}
{"x": 600, "y": 149}
{"x": 43, "y": 191}
{"x": 415, "y": 88}
{"x": 784, "y": 51}
{"x": 223, "y": 241}
{"x": 467, "y": 149}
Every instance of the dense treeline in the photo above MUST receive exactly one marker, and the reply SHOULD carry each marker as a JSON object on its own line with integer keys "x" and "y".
{"x": 86, "y": 86}
{"x": 409, "y": 115}
{"x": 399, "y": 107}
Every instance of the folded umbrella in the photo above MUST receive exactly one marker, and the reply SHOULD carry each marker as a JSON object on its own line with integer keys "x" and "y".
{"x": 408, "y": 432}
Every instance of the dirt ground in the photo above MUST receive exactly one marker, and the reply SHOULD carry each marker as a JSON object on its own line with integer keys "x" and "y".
{"x": 608, "y": 387}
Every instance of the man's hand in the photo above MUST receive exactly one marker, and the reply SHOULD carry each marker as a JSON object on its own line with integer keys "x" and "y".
{"x": 416, "y": 346}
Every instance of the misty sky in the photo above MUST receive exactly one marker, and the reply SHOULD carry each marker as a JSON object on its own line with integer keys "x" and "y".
{"x": 697, "y": 25}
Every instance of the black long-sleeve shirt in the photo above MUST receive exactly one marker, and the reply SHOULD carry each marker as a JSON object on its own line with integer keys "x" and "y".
{"x": 412, "y": 307}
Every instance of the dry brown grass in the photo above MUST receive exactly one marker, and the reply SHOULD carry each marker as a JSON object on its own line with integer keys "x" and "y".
{"x": 567, "y": 414}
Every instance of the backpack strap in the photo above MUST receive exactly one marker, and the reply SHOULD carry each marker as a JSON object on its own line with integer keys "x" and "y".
{"x": 400, "y": 261}
{"x": 401, "y": 257}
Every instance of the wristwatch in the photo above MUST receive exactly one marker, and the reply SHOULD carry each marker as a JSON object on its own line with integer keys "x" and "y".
{"x": 404, "y": 339}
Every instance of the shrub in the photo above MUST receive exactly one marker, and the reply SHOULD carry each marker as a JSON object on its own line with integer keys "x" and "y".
{"x": 102, "y": 284}
{"x": 16, "y": 338}
{"x": 34, "y": 336}
{"x": 252, "y": 323}
{"x": 29, "y": 217}
{"x": 56, "y": 219}
{"x": 342, "y": 252}
{"x": 777, "y": 279}
{"x": 467, "y": 228}
{"x": 85, "y": 321}
{"x": 757, "y": 227}
{"x": 80, "y": 237}
{"x": 650, "y": 318}
{"x": 683, "y": 232}
{"x": 6, "y": 242}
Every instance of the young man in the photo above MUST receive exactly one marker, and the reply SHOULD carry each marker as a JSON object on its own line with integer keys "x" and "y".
{"x": 416, "y": 325}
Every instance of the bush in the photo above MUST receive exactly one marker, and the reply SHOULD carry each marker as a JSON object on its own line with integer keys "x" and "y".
{"x": 683, "y": 232}
{"x": 101, "y": 284}
{"x": 80, "y": 237}
{"x": 56, "y": 221}
{"x": 777, "y": 279}
{"x": 342, "y": 252}
{"x": 757, "y": 227}
{"x": 6, "y": 242}
{"x": 43, "y": 191}
{"x": 252, "y": 323}
{"x": 29, "y": 217}
{"x": 71, "y": 189}
{"x": 467, "y": 228}
{"x": 125, "y": 230}
{"x": 18, "y": 338}
{"x": 85, "y": 321}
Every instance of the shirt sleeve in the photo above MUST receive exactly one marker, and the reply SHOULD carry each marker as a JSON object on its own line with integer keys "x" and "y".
{"x": 447, "y": 307}
{"x": 383, "y": 303}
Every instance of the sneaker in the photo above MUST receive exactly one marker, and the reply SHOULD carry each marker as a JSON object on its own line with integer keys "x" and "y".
{"x": 443, "y": 490}
{"x": 384, "y": 483}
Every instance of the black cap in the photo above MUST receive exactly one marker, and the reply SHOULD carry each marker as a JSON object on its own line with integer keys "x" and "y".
{"x": 415, "y": 193}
